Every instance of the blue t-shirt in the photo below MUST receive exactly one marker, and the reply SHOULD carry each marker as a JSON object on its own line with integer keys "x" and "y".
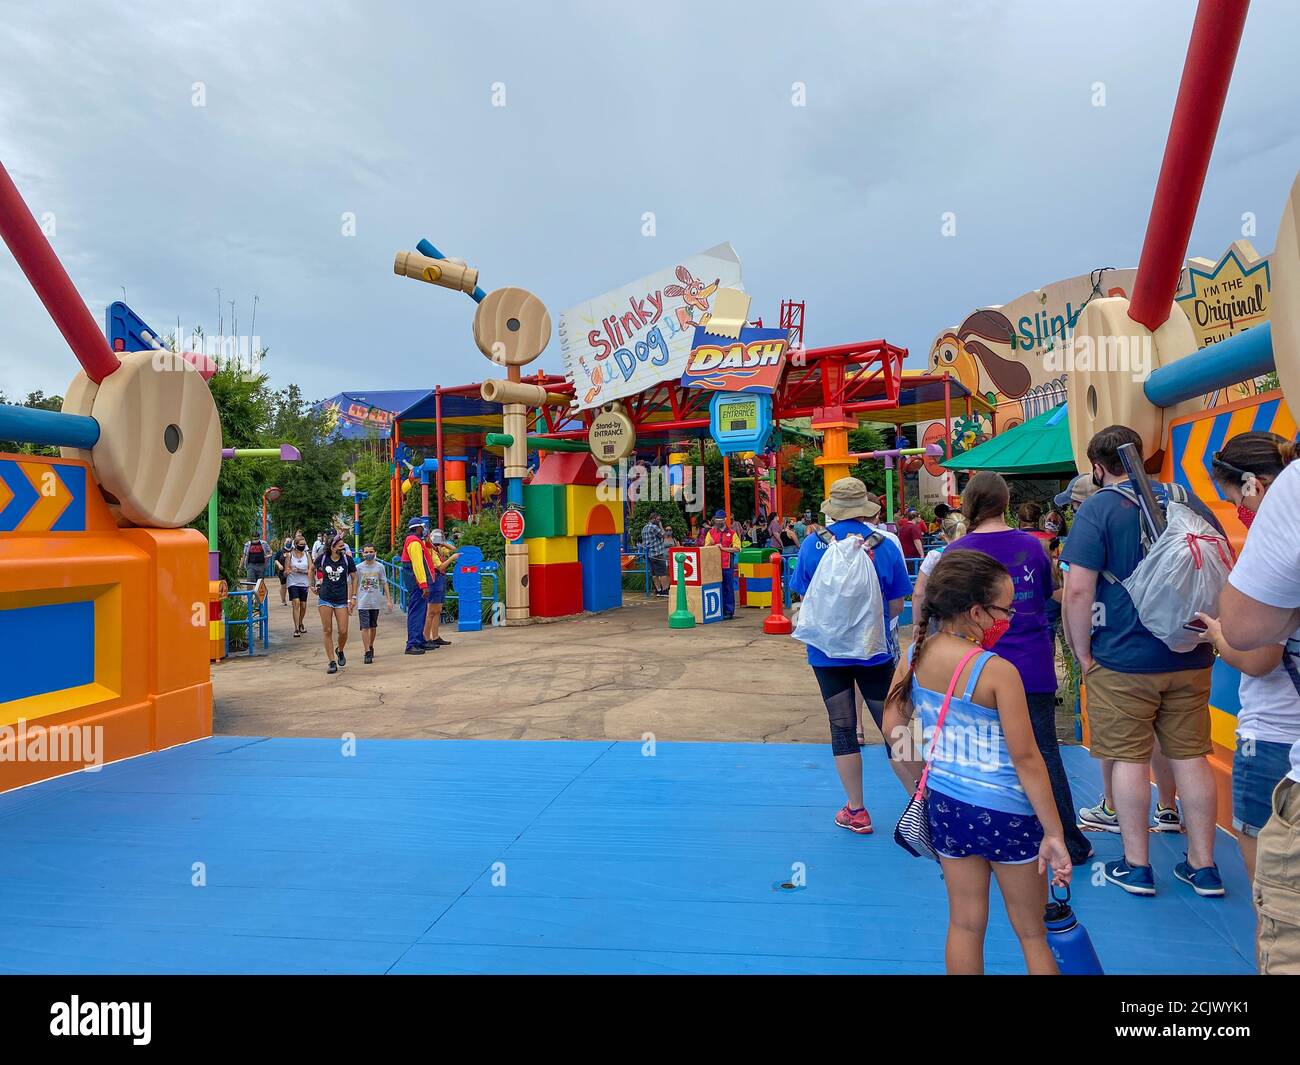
{"x": 890, "y": 569}
{"x": 1106, "y": 535}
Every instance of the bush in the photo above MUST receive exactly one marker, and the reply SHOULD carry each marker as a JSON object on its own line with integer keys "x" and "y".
{"x": 486, "y": 536}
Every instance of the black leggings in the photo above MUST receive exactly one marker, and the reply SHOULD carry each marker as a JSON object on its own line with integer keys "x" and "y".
{"x": 836, "y": 684}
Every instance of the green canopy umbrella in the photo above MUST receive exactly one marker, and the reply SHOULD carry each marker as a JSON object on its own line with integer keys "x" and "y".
{"x": 1038, "y": 446}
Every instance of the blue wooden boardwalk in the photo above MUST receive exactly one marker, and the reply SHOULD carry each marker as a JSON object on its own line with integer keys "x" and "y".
{"x": 419, "y": 856}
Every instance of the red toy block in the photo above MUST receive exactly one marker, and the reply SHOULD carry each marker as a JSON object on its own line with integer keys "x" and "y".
{"x": 555, "y": 590}
{"x": 567, "y": 467}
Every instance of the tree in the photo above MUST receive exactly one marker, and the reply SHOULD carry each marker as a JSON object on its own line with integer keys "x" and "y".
{"x": 40, "y": 401}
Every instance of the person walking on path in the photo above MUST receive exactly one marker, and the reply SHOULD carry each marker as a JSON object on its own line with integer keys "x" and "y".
{"x": 372, "y": 596}
{"x": 298, "y": 567}
{"x": 336, "y": 585}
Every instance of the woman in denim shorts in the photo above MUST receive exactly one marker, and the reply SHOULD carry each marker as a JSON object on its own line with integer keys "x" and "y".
{"x": 1268, "y": 722}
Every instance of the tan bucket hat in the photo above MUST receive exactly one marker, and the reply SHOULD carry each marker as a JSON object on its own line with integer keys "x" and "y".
{"x": 849, "y": 498}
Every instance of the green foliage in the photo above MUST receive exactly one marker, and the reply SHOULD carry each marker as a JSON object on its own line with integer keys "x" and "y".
{"x": 40, "y": 401}
{"x": 312, "y": 497}
{"x": 486, "y": 536}
{"x": 243, "y": 405}
{"x": 672, "y": 512}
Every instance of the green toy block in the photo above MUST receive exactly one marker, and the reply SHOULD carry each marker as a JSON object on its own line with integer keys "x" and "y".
{"x": 544, "y": 510}
{"x": 756, "y": 555}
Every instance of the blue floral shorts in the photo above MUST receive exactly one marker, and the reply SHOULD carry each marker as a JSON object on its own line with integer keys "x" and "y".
{"x": 960, "y": 830}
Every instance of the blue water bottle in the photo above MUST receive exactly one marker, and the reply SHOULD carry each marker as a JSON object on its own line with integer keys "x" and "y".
{"x": 1068, "y": 939}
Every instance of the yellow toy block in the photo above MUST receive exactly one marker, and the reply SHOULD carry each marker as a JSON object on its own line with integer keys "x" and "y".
{"x": 579, "y": 501}
{"x": 587, "y": 514}
{"x": 547, "y": 550}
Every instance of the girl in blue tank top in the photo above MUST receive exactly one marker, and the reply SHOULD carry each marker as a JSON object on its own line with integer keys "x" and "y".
{"x": 990, "y": 801}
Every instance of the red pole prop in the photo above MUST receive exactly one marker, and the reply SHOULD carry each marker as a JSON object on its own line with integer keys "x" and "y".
{"x": 776, "y": 623}
{"x": 1207, "y": 71}
{"x": 51, "y": 283}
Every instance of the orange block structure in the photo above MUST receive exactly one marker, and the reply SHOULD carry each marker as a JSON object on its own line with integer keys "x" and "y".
{"x": 104, "y": 631}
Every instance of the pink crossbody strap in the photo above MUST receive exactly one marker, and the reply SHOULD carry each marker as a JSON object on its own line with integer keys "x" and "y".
{"x": 943, "y": 713}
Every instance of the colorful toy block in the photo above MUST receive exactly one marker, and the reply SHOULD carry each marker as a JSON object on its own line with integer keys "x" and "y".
{"x": 579, "y": 501}
{"x": 549, "y": 550}
{"x": 702, "y": 600}
{"x": 587, "y": 514}
{"x": 602, "y": 571}
{"x": 703, "y": 564}
{"x": 758, "y": 591}
{"x": 567, "y": 468}
{"x": 555, "y": 590}
{"x": 544, "y": 511}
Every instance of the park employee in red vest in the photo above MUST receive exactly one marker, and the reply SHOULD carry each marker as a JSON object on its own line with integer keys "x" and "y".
{"x": 415, "y": 582}
{"x": 725, "y": 537}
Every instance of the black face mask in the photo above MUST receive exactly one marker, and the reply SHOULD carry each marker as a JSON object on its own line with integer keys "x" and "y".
{"x": 1097, "y": 482}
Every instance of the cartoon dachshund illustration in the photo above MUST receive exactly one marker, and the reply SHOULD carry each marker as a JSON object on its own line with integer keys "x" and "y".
{"x": 696, "y": 294}
{"x": 969, "y": 348}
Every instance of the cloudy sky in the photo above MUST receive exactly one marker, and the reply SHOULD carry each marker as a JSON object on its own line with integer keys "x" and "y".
{"x": 383, "y": 111}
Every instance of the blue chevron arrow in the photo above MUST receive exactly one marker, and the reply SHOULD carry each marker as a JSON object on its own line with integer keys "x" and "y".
{"x": 25, "y": 496}
{"x": 73, "y": 519}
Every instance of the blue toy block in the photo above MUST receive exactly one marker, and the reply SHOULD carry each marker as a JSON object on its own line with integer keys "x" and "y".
{"x": 467, "y": 582}
{"x": 711, "y": 599}
{"x": 602, "y": 571}
{"x": 758, "y": 584}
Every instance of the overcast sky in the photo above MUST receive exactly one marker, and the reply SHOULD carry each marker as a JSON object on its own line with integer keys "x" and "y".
{"x": 385, "y": 110}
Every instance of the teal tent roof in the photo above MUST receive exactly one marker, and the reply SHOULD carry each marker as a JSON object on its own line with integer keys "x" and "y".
{"x": 1038, "y": 446}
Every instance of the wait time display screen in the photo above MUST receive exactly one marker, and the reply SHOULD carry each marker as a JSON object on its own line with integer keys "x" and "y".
{"x": 739, "y": 416}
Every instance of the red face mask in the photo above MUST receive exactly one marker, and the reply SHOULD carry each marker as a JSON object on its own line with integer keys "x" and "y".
{"x": 994, "y": 633}
{"x": 1245, "y": 515}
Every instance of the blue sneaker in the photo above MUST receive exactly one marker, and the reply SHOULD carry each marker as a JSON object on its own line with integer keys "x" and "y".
{"x": 1205, "y": 882}
{"x": 1135, "y": 879}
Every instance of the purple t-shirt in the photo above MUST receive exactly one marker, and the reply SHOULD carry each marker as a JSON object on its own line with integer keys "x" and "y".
{"x": 1028, "y": 643}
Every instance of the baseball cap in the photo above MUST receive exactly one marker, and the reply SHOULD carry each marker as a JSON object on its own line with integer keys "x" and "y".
{"x": 1076, "y": 491}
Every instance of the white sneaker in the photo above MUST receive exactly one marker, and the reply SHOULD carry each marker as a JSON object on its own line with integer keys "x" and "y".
{"x": 1099, "y": 818}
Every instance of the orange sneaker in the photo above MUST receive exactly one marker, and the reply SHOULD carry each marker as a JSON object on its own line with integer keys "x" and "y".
{"x": 859, "y": 822}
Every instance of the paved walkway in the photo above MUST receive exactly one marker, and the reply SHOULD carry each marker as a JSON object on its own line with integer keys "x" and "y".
{"x": 616, "y": 675}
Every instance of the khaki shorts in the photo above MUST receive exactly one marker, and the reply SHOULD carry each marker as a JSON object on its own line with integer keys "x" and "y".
{"x": 1128, "y": 711}
{"x": 1277, "y": 884}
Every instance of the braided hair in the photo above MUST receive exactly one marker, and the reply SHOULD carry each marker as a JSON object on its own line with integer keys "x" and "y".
{"x": 962, "y": 579}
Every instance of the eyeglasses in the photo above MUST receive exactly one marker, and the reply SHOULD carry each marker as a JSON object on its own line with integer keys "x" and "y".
{"x": 1009, "y": 611}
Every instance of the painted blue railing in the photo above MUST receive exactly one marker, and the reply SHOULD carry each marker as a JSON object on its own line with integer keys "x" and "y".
{"x": 255, "y": 622}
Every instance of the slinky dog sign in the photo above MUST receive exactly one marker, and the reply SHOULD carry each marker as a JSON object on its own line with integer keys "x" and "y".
{"x": 623, "y": 342}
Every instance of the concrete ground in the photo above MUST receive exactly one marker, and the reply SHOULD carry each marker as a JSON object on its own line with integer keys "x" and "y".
{"x": 611, "y": 676}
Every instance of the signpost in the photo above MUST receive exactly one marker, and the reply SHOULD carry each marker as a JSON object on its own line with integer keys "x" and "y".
{"x": 512, "y": 525}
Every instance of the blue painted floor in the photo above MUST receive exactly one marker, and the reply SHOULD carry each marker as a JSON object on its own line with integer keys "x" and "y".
{"x": 436, "y": 856}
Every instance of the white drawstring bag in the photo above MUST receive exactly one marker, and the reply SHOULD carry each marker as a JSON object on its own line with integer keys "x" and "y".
{"x": 1181, "y": 575}
{"x": 842, "y": 613}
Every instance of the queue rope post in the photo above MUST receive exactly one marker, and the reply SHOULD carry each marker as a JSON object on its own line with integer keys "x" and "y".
{"x": 776, "y": 623}
{"x": 681, "y": 617}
